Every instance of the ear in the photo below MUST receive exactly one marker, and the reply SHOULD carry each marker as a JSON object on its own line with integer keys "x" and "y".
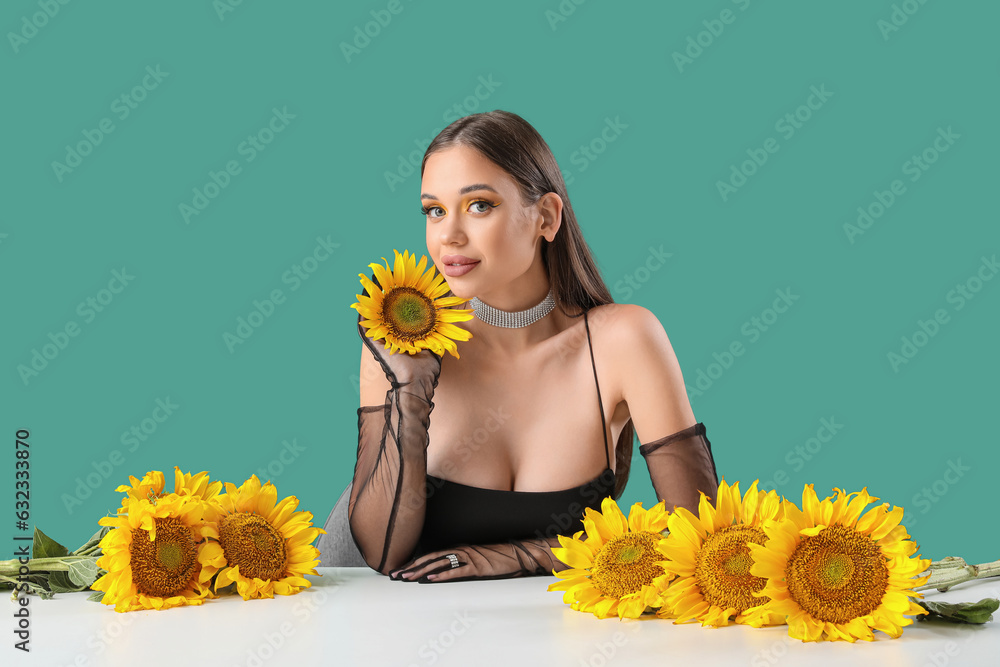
{"x": 550, "y": 208}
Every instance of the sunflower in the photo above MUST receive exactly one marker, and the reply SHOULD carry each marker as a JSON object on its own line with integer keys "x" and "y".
{"x": 838, "y": 576}
{"x": 617, "y": 569}
{"x": 407, "y": 308}
{"x": 267, "y": 546}
{"x": 157, "y": 555}
{"x": 710, "y": 555}
{"x": 150, "y": 487}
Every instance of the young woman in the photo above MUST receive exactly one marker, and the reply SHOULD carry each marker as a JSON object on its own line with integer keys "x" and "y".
{"x": 524, "y": 421}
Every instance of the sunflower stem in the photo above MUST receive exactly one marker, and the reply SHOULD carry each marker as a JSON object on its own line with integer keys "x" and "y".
{"x": 54, "y": 564}
{"x": 953, "y": 570}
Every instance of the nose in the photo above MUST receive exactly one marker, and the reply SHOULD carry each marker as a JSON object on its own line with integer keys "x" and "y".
{"x": 450, "y": 231}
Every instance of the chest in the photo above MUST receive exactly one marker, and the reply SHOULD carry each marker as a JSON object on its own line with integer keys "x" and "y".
{"x": 532, "y": 423}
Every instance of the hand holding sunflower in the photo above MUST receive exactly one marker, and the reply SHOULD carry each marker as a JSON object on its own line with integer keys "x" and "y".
{"x": 408, "y": 308}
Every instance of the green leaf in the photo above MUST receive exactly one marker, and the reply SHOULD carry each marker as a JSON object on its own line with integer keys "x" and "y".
{"x": 959, "y": 612}
{"x": 97, "y": 596}
{"x": 90, "y": 547}
{"x": 45, "y": 547}
{"x": 83, "y": 573}
{"x": 60, "y": 583}
{"x": 33, "y": 587}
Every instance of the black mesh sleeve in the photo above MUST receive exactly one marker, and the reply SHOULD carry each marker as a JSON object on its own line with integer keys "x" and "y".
{"x": 680, "y": 465}
{"x": 505, "y": 560}
{"x": 386, "y": 508}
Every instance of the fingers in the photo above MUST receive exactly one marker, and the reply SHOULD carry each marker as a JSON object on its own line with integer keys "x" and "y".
{"x": 442, "y": 573}
{"x": 420, "y": 567}
{"x": 448, "y": 573}
{"x": 435, "y": 564}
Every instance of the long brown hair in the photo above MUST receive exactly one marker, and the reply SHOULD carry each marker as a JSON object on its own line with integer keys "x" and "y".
{"x": 511, "y": 143}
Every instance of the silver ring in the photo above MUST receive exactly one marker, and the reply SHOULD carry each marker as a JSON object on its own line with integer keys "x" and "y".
{"x": 454, "y": 560}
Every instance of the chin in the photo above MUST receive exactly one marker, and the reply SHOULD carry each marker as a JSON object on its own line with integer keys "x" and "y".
{"x": 461, "y": 293}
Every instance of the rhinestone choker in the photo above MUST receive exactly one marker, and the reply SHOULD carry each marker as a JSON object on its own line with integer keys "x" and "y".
{"x": 511, "y": 320}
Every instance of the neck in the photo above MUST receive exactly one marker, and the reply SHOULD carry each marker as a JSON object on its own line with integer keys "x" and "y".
{"x": 504, "y": 342}
{"x": 514, "y": 339}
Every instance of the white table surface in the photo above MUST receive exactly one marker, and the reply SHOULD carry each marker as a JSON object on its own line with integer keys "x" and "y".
{"x": 354, "y": 616}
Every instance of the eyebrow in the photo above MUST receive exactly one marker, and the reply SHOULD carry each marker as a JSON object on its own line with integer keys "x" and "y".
{"x": 466, "y": 189}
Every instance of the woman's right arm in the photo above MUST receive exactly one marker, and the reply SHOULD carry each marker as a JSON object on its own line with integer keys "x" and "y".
{"x": 386, "y": 509}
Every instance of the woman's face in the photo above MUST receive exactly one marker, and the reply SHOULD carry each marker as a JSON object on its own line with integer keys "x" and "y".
{"x": 475, "y": 217}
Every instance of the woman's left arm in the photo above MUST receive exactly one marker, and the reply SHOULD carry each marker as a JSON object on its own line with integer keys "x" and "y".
{"x": 675, "y": 447}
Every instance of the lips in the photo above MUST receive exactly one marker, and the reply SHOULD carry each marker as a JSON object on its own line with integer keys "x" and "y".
{"x": 464, "y": 265}
{"x": 457, "y": 259}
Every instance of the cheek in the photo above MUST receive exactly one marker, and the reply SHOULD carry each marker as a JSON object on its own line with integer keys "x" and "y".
{"x": 429, "y": 240}
{"x": 516, "y": 245}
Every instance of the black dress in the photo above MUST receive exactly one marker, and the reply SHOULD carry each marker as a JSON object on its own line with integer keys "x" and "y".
{"x": 460, "y": 514}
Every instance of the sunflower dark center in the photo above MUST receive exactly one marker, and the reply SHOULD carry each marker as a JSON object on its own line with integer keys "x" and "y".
{"x": 165, "y": 566}
{"x": 408, "y": 313}
{"x": 627, "y": 563}
{"x": 722, "y": 568}
{"x": 837, "y": 575}
{"x": 248, "y": 540}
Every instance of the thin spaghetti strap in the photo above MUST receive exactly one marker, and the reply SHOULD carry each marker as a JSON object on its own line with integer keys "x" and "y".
{"x": 600, "y": 404}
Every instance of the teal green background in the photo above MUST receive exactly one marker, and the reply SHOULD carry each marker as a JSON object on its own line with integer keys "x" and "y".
{"x": 295, "y": 378}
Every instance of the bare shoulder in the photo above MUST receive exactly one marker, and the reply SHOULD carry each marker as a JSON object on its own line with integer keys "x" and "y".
{"x": 646, "y": 370}
{"x": 631, "y": 325}
{"x": 635, "y": 342}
